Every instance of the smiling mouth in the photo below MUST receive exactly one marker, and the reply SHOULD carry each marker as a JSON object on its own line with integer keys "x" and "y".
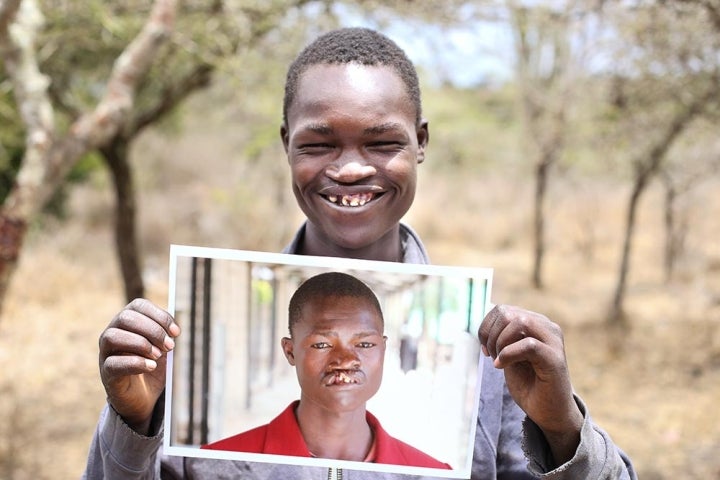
{"x": 352, "y": 200}
{"x": 341, "y": 378}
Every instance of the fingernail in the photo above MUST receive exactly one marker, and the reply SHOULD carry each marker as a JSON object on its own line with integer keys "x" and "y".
{"x": 485, "y": 351}
{"x": 150, "y": 364}
{"x": 174, "y": 329}
{"x": 169, "y": 343}
{"x": 156, "y": 353}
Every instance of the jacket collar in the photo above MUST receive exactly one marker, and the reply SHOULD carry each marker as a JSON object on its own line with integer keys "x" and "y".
{"x": 412, "y": 247}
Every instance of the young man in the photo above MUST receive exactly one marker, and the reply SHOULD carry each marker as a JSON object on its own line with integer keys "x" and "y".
{"x": 337, "y": 347}
{"x": 354, "y": 135}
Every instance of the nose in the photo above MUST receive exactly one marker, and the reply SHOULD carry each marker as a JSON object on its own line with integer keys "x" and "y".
{"x": 350, "y": 168}
{"x": 345, "y": 359}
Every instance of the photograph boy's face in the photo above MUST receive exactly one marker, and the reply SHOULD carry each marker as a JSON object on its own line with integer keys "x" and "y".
{"x": 338, "y": 349}
{"x": 353, "y": 145}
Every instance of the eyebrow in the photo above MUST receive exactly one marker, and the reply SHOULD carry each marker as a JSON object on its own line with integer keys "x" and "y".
{"x": 319, "y": 128}
{"x": 324, "y": 129}
{"x": 333, "y": 333}
{"x": 382, "y": 128}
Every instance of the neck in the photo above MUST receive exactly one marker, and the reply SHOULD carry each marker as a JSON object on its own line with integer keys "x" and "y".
{"x": 387, "y": 248}
{"x": 339, "y": 436}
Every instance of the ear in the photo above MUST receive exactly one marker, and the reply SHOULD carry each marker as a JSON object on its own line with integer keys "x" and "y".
{"x": 423, "y": 137}
{"x": 284, "y": 136}
{"x": 287, "y": 346}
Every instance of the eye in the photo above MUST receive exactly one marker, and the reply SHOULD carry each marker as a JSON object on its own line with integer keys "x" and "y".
{"x": 320, "y": 345}
{"x": 314, "y": 148}
{"x": 366, "y": 345}
{"x": 386, "y": 146}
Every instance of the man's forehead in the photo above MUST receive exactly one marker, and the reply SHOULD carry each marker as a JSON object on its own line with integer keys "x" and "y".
{"x": 329, "y": 309}
{"x": 348, "y": 71}
{"x": 333, "y": 301}
{"x": 327, "y": 80}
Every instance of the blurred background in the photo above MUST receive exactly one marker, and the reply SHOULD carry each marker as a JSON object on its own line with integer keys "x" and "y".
{"x": 574, "y": 149}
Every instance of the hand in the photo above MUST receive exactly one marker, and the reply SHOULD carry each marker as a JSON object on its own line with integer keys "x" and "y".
{"x": 133, "y": 352}
{"x": 530, "y": 350}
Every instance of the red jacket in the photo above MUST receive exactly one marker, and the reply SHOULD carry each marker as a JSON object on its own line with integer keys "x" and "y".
{"x": 282, "y": 436}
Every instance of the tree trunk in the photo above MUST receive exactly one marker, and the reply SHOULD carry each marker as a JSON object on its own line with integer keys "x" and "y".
{"x": 671, "y": 247}
{"x": 541, "y": 180}
{"x": 128, "y": 252}
{"x": 49, "y": 156}
{"x": 616, "y": 315}
{"x": 12, "y": 235}
{"x": 645, "y": 169}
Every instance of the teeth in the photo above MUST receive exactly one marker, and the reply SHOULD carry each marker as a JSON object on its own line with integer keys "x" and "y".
{"x": 356, "y": 200}
{"x": 340, "y": 377}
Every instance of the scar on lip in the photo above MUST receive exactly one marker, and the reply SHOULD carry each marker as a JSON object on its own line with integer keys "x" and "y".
{"x": 340, "y": 377}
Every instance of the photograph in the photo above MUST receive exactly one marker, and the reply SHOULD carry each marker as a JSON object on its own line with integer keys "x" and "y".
{"x": 321, "y": 361}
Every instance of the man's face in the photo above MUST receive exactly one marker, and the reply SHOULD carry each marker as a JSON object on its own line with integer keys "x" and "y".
{"x": 337, "y": 348}
{"x": 353, "y": 145}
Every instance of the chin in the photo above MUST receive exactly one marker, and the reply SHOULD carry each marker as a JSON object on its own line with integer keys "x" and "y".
{"x": 351, "y": 405}
{"x": 361, "y": 236}
{"x": 356, "y": 244}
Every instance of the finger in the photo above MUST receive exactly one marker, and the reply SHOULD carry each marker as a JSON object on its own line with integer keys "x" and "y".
{"x": 116, "y": 341}
{"x": 147, "y": 327}
{"x": 545, "y": 359}
{"x": 122, "y": 366}
{"x": 489, "y": 323}
{"x": 496, "y": 321}
{"x": 513, "y": 323}
{"x": 152, "y": 311}
{"x": 520, "y": 324}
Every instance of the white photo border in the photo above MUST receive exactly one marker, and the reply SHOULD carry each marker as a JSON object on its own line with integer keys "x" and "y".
{"x": 333, "y": 263}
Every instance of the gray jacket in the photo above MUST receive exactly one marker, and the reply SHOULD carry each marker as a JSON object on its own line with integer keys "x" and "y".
{"x": 508, "y": 445}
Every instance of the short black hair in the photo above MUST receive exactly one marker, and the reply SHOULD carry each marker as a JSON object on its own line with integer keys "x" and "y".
{"x": 358, "y": 45}
{"x": 329, "y": 284}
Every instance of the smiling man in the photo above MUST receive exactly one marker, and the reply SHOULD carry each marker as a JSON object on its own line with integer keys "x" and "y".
{"x": 353, "y": 141}
{"x": 337, "y": 347}
{"x": 354, "y": 134}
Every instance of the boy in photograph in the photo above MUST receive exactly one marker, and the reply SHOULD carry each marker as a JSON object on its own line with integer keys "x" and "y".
{"x": 337, "y": 347}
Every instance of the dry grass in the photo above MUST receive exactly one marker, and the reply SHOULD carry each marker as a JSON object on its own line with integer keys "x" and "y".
{"x": 48, "y": 346}
{"x": 655, "y": 392}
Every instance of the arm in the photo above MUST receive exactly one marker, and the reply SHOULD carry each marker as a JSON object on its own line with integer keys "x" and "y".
{"x": 133, "y": 352}
{"x": 596, "y": 455}
{"x": 529, "y": 349}
{"x": 118, "y": 452}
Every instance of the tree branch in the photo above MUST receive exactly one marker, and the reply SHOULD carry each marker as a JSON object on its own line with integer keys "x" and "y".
{"x": 48, "y": 159}
{"x": 30, "y": 90}
{"x": 130, "y": 68}
{"x": 8, "y": 9}
{"x": 171, "y": 96}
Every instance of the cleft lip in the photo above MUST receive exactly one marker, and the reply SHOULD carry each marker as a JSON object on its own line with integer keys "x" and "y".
{"x": 342, "y": 377}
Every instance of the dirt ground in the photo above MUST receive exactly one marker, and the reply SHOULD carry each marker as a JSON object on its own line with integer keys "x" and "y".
{"x": 654, "y": 387}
